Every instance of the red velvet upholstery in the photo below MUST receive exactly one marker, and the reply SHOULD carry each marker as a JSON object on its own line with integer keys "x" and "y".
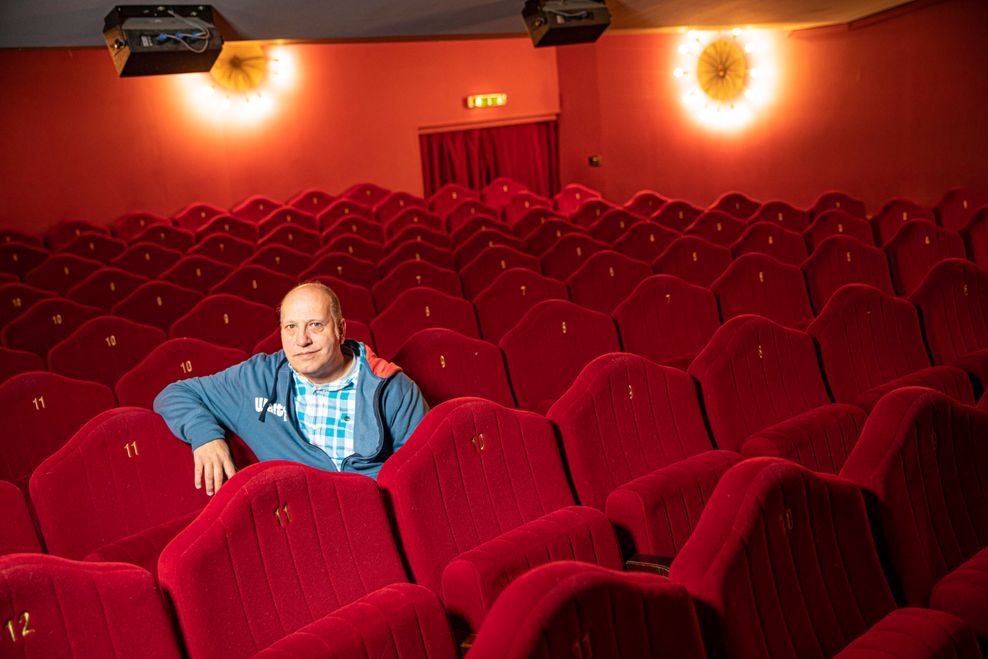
{"x": 287, "y": 215}
{"x": 343, "y": 208}
{"x": 42, "y": 411}
{"x": 64, "y": 231}
{"x": 756, "y": 375}
{"x": 225, "y": 249}
{"x": 404, "y": 621}
{"x": 893, "y": 214}
{"x": 279, "y": 546}
{"x": 526, "y": 224}
{"x": 368, "y": 194}
{"x": 922, "y": 460}
{"x": 356, "y": 225}
{"x": 103, "y": 348}
{"x": 413, "y": 216}
{"x": 196, "y": 272}
{"x": 281, "y": 259}
{"x": 467, "y": 210}
{"x": 296, "y": 237}
{"x": 63, "y": 608}
{"x": 976, "y": 238}
{"x": 568, "y": 609}
{"x": 606, "y": 279}
{"x": 255, "y": 208}
{"x": 474, "y": 223}
{"x": 143, "y": 547}
{"x": 540, "y": 240}
{"x": 105, "y": 287}
{"x": 448, "y": 196}
{"x": 613, "y": 224}
{"x": 782, "y": 215}
{"x": 356, "y": 271}
{"x": 838, "y": 223}
{"x": 195, "y": 215}
{"x": 550, "y": 345}
{"x": 166, "y": 235}
{"x": 694, "y": 259}
{"x": 501, "y": 190}
{"x": 765, "y": 238}
{"x": 227, "y": 225}
{"x": 121, "y": 473}
{"x": 94, "y": 245}
{"x": 645, "y": 241}
{"x": 957, "y": 206}
{"x": 46, "y": 323}
{"x": 13, "y": 362}
{"x": 914, "y": 634}
{"x": 572, "y": 196}
{"x": 353, "y": 245}
{"x": 417, "y": 234}
{"x": 16, "y": 298}
{"x": 718, "y": 227}
{"x": 837, "y": 201}
{"x": 917, "y": 247}
{"x": 9, "y": 235}
{"x": 445, "y": 364}
{"x": 60, "y": 272}
{"x": 356, "y": 301}
{"x": 157, "y": 303}
{"x": 174, "y": 359}
{"x": 311, "y": 200}
{"x": 17, "y": 533}
{"x": 480, "y": 242}
{"x": 485, "y": 268}
{"x": 146, "y": 259}
{"x": 130, "y": 224}
{"x": 840, "y": 260}
{"x": 644, "y": 203}
{"x": 226, "y": 320}
{"x": 418, "y": 308}
{"x": 519, "y": 204}
{"x": 783, "y": 564}
{"x": 412, "y": 273}
{"x": 759, "y": 284}
{"x": 569, "y": 253}
{"x": 592, "y": 209}
{"x": 737, "y": 204}
{"x": 953, "y": 304}
{"x": 255, "y": 283}
{"x": 667, "y": 320}
{"x": 871, "y": 343}
{"x": 509, "y": 297}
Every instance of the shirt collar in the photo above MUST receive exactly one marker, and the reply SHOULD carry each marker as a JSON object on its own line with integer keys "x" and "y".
{"x": 305, "y": 387}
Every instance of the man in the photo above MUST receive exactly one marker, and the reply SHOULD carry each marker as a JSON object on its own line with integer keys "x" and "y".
{"x": 323, "y": 400}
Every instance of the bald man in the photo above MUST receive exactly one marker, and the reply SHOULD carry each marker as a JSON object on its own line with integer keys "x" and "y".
{"x": 323, "y": 400}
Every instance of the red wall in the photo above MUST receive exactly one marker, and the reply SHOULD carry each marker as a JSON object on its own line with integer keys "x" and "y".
{"x": 80, "y": 142}
{"x": 891, "y": 107}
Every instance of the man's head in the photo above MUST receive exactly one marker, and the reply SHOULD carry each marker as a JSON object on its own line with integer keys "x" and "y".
{"x": 312, "y": 332}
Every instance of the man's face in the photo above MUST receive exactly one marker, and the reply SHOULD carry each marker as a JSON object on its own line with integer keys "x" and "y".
{"x": 311, "y": 337}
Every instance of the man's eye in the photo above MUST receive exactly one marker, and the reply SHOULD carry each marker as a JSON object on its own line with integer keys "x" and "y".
{"x": 316, "y": 326}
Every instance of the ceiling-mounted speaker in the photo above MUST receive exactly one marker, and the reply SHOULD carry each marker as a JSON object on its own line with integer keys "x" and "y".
{"x": 149, "y": 40}
{"x": 561, "y": 22}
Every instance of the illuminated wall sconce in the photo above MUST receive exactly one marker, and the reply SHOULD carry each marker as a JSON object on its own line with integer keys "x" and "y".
{"x": 486, "y": 100}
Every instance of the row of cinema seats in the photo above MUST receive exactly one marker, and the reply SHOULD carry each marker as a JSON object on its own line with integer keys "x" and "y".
{"x": 765, "y": 557}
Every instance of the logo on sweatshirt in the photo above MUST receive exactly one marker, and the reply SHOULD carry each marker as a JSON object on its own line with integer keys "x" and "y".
{"x": 273, "y": 408}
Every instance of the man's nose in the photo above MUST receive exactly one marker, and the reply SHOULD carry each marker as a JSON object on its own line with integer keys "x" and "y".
{"x": 302, "y": 337}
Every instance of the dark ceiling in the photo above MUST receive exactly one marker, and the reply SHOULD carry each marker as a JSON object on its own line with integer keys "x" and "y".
{"x": 59, "y": 23}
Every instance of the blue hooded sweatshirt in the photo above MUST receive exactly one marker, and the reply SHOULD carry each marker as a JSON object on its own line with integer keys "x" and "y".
{"x": 256, "y": 400}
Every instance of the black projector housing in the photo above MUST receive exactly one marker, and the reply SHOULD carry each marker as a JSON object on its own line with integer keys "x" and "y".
{"x": 149, "y": 40}
{"x": 561, "y": 22}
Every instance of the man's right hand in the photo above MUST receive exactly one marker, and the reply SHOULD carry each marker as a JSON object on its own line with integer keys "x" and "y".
{"x": 213, "y": 465}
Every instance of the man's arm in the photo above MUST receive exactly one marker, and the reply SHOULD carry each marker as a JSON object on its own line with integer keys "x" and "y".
{"x": 404, "y": 408}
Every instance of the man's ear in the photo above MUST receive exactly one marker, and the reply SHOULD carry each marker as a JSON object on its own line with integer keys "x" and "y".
{"x": 341, "y": 328}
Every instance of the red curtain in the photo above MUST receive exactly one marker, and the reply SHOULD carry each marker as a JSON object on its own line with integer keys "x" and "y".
{"x": 527, "y": 153}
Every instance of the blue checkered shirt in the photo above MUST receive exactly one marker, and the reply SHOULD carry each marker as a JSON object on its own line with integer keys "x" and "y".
{"x": 326, "y": 412}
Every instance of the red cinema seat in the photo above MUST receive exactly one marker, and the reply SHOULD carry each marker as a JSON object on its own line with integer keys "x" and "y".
{"x": 223, "y": 248}
{"x": 286, "y": 216}
{"x": 43, "y": 410}
{"x": 445, "y": 364}
{"x": 195, "y": 215}
{"x": 467, "y": 212}
{"x": 693, "y": 259}
{"x": 764, "y": 394}
{"x": 893, "y": 214}
{"x": 355, "y": 225}
{"x": 130, "y": 224}
{"x": 472, "y": 225}
{"x": 737, "y": 204}
{"x": 953, "y": 305}
{"x": 63, "y": 608}
{"x": 419, "y": 234}
{"x": 613, "y": 224}
{"x": 591, "y": 211}
{"x": 312, "y": 201}
{"x": 157, "y": 303}
{"x": 19, "y": 258}
{"x": 46, "y": 323}
{"x": 676, "y": 214}
{"x": 764, "y": 238}
{"x": 103, "y": 348}
{"x": 975, "y": 236}
{"x": 957, "y": 206}
{"x": 606, "y": 279}
{"x": 921, "y": 460}
{"x": 174, "y": 359}
{"x": 783, "y": 215}
{"x": 667, "y": 320}
{"x": 227, "y": 225}
{"x": 645, "y": 241}
{"x": 759, "y": 284}
{"x": 718, "y": 227}
{"x": 534, "y": 218}
{"x": 122, "y": 473}
{"x": 572, "y": 196}
{"x": 482, "y": 240}
{"x": 14, "y": 362}
{"x": 480, "y": 497}
{"x": 550, "y": 345}
{"x": 17, "y": 535}
{"x": 636, "y": 446}
{"x": 8, "y": 235}
{"x": 105, "y": 287}
{"x": 838, "y": 223}
{"x": 353, "y": 270}
{"x": 783, "y": 564}
{"x": 342, "y": 208}
{"x": 355, "y": 246}
{"x": 168, "y": 236}
{"x": 835, "y": 200}
{"x": 146, "y": 259}
{"x": 327, "y": 534}
{"x": 94, "y": 245}
{"x": 840, "y": 260}
{"x": 506, "y": 299}
{"x": 60, "y": 272}
{"x": 255, "y": 208}
{"x": 413, "y": 216}
{"x": 255, "y": 283}
{"x": 645, "y": 203}
{"x": 570, "y": 609}
{"x": 410, "y": 274}
{"x": 16, "y": 298}
{"x": 65, "y": 231}
{"x": 917, "y": 247}
{"x": 871, "y": 343}
{"x": 489, "y": 264}
{"x": 226, "y": 320}
{"x": 548, "y": 235}
{"x": 448, "y": 196}
{"x": 281, "y": 259}
{"x": 199, "y": 273}
{"x": 395, "y": 203}
{"x": 418, "y": 308}
{"x": 568, "y": 253}
{"x": 368, "y": 194}
{"x": 520, "y": 204}
{"x": 296, "y": 237}
{"x": 412, "y": 250}
{"x": 356, "y": 301}
{"x": 501, "y": 191}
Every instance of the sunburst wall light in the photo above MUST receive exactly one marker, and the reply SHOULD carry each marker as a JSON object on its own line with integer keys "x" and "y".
{"x": 726, "y": 76}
